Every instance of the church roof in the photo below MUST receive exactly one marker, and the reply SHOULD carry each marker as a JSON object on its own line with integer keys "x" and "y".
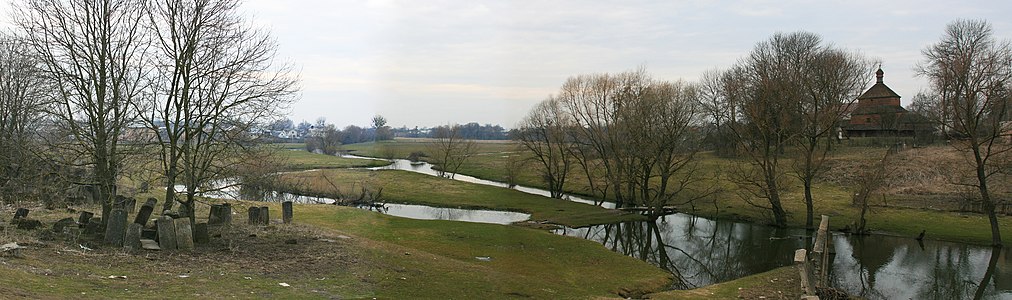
{"x": 879, "y": 90}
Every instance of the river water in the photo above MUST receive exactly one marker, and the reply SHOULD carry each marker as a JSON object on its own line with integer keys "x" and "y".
{"x": 702, "y": 251}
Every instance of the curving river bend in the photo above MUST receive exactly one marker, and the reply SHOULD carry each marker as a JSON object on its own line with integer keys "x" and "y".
{"x": 703, "y": 251}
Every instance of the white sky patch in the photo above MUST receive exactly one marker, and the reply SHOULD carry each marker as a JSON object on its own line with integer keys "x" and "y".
{"x": 434, "y": 62}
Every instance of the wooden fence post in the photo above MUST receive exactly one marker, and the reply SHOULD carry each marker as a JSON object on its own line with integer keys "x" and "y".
{"x": 820, "y": 255}
{"x": 801, "y": 260}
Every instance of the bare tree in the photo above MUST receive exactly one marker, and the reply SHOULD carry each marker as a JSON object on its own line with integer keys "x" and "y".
{"x": 93, "y": 52}
{"x": 23, "y": 92}
{"x": 635, "y": 137}
{"x": 380, "y": 129}
{"x": 761, "y": 93}
{"x": 830, "y": 80}
{"x": 217, "y": 81}
{"x": 449, "y": 150}
{"x": 544, "y": 133}
{"x": 971, "y": 71}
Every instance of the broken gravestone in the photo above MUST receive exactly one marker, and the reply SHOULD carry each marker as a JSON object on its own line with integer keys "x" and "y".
{"x": 149, "y": 244}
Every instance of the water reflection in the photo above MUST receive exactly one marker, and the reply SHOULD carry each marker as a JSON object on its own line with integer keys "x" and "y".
{"x": 420, "y": 212}
{"x": 426, "y": 168}
{"x": 698, "y": 251}
{"x": 702, "y": 252}
{"x": 880, "y": 267}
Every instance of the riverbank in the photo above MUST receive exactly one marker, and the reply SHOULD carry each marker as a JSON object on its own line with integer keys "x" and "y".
{"x": 832, "y": 197}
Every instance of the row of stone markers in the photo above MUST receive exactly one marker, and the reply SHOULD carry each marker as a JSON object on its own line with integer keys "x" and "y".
{"x": 168, "y": 233}
{"x": 262, "y": 215}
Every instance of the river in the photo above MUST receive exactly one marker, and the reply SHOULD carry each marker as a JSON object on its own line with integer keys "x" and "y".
{"x": 703, "y": 251}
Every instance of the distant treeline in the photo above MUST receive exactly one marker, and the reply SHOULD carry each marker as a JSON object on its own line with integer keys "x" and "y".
{"x": 473, "y": 131}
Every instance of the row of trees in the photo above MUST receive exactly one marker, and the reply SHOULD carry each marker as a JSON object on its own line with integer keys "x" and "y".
{"x": 776, "y": 110}
{"x": 634, "y": 138}
{"x": 327, "y": 139}
{"x": 471, "y": 130}
{"x": 193, "y": 78}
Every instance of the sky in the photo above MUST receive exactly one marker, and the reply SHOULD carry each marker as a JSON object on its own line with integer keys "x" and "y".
{"x": 434, "y": 62}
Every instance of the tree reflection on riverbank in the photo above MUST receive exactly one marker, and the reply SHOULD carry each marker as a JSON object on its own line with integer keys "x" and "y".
{"x": 701, "y": 252}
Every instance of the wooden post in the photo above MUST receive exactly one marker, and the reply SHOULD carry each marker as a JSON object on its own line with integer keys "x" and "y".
{"x": 286, "y": 212}
{"x": 801, "y": 260}
{"x": 821, "y": 254}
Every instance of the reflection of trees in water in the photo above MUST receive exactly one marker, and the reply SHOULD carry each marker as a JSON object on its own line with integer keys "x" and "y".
{"x": 888, "y": 268}
{"x": 698, "y": 251}
{"x": 441, "y": 213}
{"x": 255, "y": 193}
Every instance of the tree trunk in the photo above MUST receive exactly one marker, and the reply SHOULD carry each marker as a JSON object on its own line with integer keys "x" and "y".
{"x": 170, "y": 188}
{"x": 985, "y": 196}
{"x": 809, "y": 209}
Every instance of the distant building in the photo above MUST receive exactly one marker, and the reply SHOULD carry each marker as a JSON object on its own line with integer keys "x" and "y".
{"x": 878, "y": 113}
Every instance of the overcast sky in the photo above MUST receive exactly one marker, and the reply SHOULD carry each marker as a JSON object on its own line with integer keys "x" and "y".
{"x": 435, "y": 62}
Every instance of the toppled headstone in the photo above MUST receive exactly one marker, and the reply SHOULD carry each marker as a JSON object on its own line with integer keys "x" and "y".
{"x": 11, "y": 248}
{"x": 27, "y": 224}
{"x": 115, "y": 231}
{"x": 62, "y": 223}
{"x": 166, "y": 233}
{"x": 184, "y": 234}
{"x": 132, "y": 239}
{"x": 148, "y": 244}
